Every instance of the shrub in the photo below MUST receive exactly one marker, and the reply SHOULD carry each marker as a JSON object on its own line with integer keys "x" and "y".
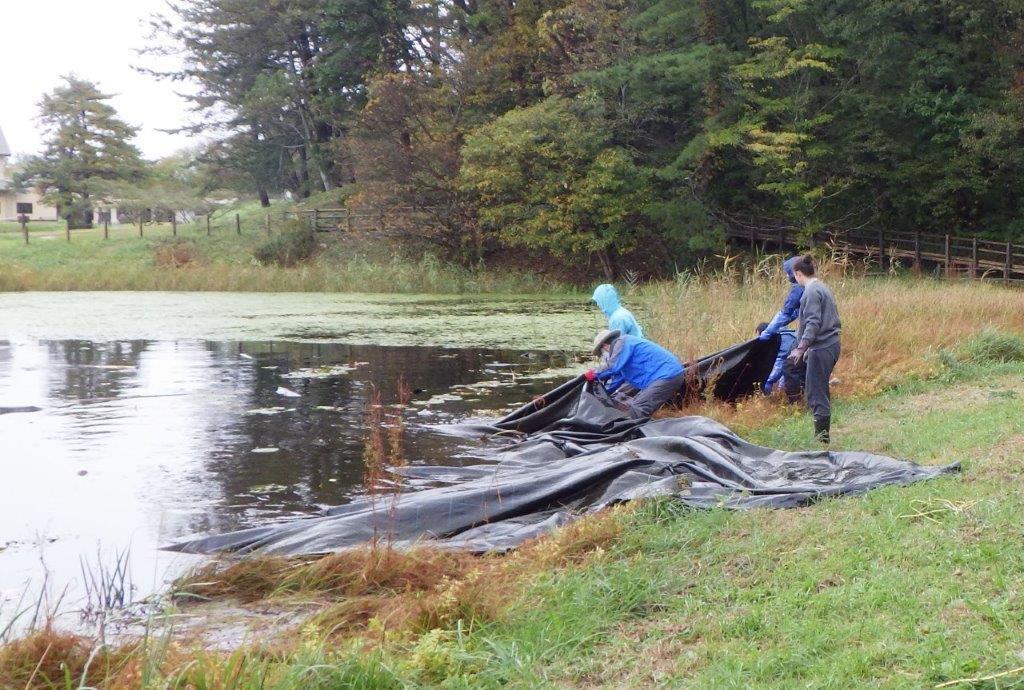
{"x": 174, "y": 253}
{"x": 296, "y": 243}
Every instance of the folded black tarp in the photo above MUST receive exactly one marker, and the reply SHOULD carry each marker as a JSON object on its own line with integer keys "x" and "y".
{"x": 573, "y": 453}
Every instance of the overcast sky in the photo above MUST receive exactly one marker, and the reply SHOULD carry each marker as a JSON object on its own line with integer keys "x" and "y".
{"x": 96, "y": 40}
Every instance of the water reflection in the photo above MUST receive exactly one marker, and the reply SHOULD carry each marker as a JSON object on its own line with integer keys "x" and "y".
{"x": 142, "y": 442}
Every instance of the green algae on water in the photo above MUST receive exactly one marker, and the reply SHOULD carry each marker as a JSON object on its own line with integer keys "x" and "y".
{"x": 505, "y": 322}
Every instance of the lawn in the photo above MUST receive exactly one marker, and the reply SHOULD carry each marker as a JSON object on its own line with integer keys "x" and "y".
{"x": 905, "y": 587}
{"x": 223, "y": 261}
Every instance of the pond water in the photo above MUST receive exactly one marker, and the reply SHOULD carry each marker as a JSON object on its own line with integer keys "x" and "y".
{"x": 153, "y": 423}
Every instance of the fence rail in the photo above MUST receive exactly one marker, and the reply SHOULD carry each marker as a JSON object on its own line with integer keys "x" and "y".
{"x": 332, "y": 219}
{"x": 955, "y": 255}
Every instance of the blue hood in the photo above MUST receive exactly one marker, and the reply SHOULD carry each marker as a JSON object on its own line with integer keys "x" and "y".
{"x": 787, "y": 266}
{"x": 607, "y": 298}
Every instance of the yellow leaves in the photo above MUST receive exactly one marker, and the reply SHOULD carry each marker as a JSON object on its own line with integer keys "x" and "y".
{"x": 780, "y": 10}
{"x": 775, "y": 143}
{"x": 773, "y": 58}
{"x": 781, "y": 151}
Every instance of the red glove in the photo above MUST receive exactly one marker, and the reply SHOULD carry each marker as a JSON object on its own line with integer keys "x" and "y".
{"x": 590, "y": 375}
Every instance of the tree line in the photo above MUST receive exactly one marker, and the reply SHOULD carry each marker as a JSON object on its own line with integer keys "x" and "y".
{"x": 616, "y": 131}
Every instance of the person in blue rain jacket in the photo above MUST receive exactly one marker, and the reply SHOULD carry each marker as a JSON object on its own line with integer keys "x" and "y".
{"x": 790, "y": 308}
{"x": 788, "y": 340}
{"x": 619, "y": 318}
{"x": 641, "y": 375}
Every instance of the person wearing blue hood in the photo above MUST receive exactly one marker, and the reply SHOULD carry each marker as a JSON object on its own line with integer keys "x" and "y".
{"x": 775, "y": 380}
{"x": 633, "y": 364}
{"x": 619, "y": 318}
{"x": 790, "y": 308}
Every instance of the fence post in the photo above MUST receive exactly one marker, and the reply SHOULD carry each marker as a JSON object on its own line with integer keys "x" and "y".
{"x": 947, "y": 256}
{"x": 974, "y": 257}
{"x": 140, "y": 223}
{"x": 207, "y": 224}
{"x": 881, "y": 249}
{"x": 316, "y": 219}
{"x": 174, "y": 223}
{"x": 1009, "y": 262}
{"x": 782, "y": 238}
{"x": 348, "y": 219}
{"x": 268, "y": 225}
{"x": 67, "y": 228}
{"x": 238, "y": 224}
{"x": 106, "y": 229}
{"x": 917, "y": 251}
{"x": 24, "y": 228}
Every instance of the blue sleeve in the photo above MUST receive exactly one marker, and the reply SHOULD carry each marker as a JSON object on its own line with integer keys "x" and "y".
{"x": 776, "y": 374}
{"x": 787, "y": 315}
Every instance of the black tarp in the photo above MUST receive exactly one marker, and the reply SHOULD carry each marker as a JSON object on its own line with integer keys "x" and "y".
{"x": 573, "y": 453}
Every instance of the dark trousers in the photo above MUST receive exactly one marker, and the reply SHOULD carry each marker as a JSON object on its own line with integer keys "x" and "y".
{"x": 646, "y": 401}
{"x": 793, "y": 380}
{"x": 813, "y": 375}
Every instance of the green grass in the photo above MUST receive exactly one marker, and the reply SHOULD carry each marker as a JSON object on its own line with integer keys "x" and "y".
{"x": 223, "y": 261}
{"x": 904, "y": 587}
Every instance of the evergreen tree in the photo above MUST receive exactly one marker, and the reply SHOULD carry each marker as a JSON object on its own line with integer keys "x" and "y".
{"x": 283, "y": 82}
{"x": 87, "y": 147}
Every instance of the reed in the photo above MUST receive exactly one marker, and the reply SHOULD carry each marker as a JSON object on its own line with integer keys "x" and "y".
{"x": 895, "y": 327}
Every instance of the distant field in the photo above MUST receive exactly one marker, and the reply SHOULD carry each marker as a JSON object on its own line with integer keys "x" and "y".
{"x": 223, "y": 261}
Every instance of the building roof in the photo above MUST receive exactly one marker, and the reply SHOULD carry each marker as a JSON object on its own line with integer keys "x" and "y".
{"x": 5, "y": 150}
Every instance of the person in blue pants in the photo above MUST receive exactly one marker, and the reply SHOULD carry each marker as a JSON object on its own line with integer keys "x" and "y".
{"x": 619, "y": 318}
{"x": 775, "y": 380}
{"x": 790, "y": 308}
{"x": 653, "y": 372}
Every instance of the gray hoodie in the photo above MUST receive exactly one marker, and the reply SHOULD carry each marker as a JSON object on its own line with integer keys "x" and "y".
{"x": 819, "y": 317}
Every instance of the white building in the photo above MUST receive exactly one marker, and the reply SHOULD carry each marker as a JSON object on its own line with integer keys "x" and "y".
{"x": 15, "y": 203}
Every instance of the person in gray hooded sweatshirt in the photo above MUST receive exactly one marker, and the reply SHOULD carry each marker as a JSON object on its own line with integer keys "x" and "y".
{"x": 817, "y": 348}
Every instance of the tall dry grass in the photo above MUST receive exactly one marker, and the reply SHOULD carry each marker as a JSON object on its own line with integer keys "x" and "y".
{"x": 378, "y": 589}
{"x": 893, "y": 327}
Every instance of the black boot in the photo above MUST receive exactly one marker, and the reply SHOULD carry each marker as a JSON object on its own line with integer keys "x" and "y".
{"x": 822, "y": 425}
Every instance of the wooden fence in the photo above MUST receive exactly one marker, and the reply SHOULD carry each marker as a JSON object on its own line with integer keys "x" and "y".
{"x": 204, "y": 223}
{"x": 953, "y": 254}
{"x": 380, "y": 220}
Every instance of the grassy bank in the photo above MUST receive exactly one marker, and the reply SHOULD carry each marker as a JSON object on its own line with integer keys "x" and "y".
{"x": 906, "y": 587}
{"x": 223, "y": 261}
